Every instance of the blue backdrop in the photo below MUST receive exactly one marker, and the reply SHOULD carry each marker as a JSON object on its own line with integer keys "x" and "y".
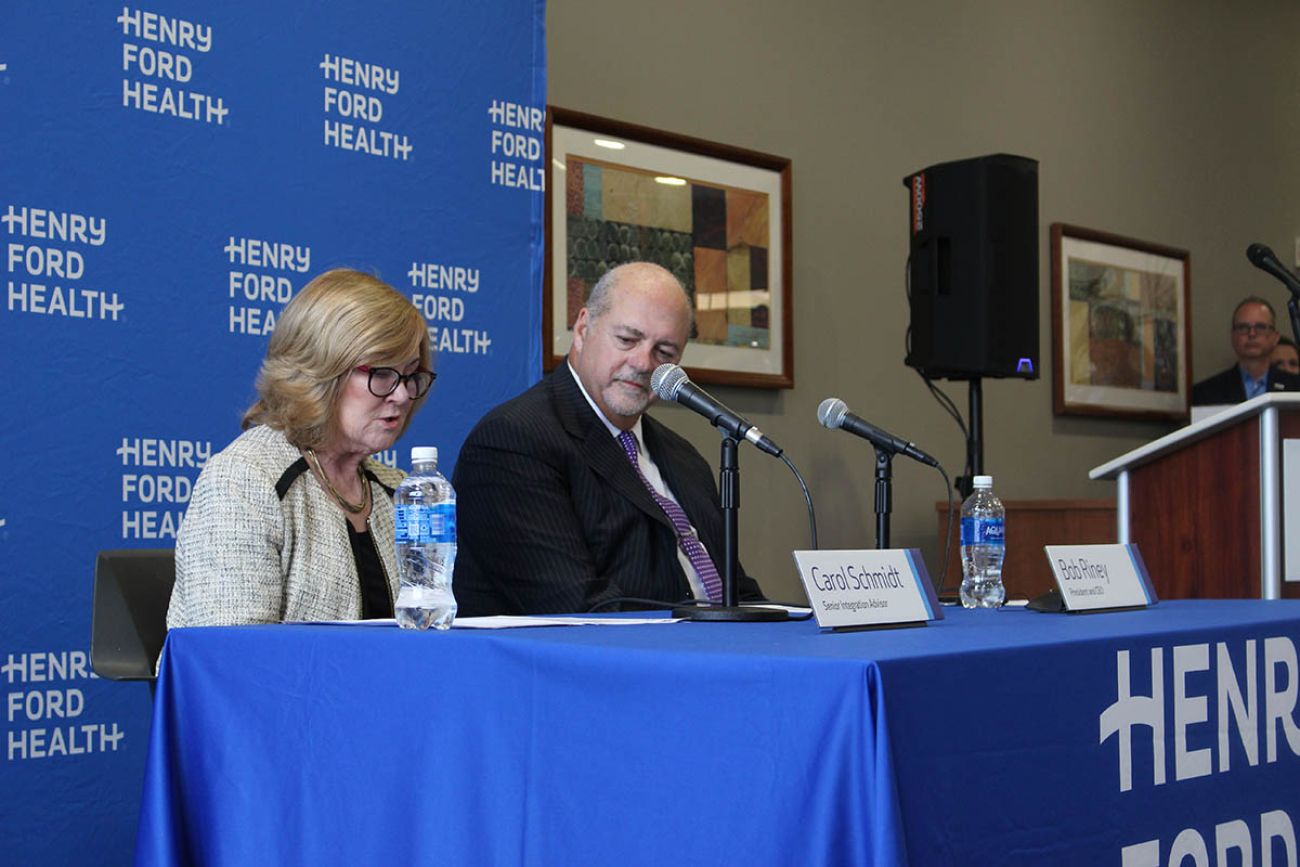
{"x": 170, "y": 175}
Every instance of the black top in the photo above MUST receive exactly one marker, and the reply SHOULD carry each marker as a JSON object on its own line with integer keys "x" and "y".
{"x": 376, "y": 603}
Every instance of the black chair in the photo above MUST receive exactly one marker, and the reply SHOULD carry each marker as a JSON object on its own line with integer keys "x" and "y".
{"x": 129, "y": 618}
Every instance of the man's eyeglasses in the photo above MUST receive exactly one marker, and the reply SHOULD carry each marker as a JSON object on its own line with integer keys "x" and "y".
{"x": 383, "y": 381}
{"x": 1244, "y": 328}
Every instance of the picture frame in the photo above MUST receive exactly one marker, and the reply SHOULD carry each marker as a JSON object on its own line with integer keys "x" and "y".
{"x": 1121, "y": 326}
{"x": 717, "y": 216}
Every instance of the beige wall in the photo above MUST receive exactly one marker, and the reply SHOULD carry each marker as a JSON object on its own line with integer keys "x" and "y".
{"x": 1176, "y": 122}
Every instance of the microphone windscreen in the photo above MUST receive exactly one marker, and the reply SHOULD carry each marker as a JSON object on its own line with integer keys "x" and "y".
{"x": 831, "y": 412}
{"x": 666, "y": 380}
{"x": 1258, "y": 254}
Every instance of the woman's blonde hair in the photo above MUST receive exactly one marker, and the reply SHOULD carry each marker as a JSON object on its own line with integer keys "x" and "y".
{"x": 341, "y": 319}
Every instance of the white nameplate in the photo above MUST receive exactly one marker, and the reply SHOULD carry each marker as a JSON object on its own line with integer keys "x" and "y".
{"x": 1093, "y": 577}
{"x": 867, "y": 588}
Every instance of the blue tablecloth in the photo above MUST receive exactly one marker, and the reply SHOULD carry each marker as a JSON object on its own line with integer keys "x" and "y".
{"x": 991, "y": 737}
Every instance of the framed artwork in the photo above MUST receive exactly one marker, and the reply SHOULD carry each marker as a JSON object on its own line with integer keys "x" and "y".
{"x": 717, "y": 217}
{"x": 1121, "y": 326}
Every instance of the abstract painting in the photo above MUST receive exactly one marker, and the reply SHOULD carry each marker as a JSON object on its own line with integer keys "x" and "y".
{"x": 1119, "y": 325}
{"x": 716, "y": 217}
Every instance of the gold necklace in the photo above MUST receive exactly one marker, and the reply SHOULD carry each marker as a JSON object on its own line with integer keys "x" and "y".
{"x": 351, "y": 507}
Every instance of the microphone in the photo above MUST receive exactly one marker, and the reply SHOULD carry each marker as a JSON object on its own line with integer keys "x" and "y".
{"x": 670, "y": 382}
{"x": 1262, "y": 258}
{"x": 834, "y": 413}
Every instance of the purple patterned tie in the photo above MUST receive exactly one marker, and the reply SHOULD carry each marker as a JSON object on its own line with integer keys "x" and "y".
{"x": 681, "y": 524}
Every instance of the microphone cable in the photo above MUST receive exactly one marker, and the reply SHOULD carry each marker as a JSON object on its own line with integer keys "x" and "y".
{"x": 945, "y": 402}
{"x": 659, "y": 603}
{"x": 947, "y": 539}
{"x": 764, "y": 603}
{"x": 941, "y": 397}
{"x": 634, "y": 600}
{"x": 807, "y": 497}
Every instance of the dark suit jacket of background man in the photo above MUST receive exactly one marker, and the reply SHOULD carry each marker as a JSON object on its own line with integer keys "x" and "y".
{"x": 1226, "y": 387}
{"x": 552, "y": 517}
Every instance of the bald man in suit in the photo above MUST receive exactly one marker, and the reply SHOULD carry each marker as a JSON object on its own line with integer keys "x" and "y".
{"x": 560, "y": 510}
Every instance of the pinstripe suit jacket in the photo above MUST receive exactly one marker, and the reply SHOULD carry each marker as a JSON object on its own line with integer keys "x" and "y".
{"x": 553, "y": 518}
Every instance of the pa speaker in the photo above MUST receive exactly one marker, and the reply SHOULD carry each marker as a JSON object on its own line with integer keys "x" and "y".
{"x": 973, "y": 268}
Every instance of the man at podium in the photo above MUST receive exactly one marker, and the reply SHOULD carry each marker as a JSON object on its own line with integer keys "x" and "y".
{"x": 1254, "y": 335}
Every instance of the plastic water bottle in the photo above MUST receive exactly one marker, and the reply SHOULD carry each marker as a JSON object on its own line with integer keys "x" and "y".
{"x": 982, "y": 547}
{"x": 425, "y": 518}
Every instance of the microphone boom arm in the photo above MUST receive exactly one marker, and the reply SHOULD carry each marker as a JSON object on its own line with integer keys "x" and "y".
{"x": 1293, "y": 308}
{"x": 1263, "y": 258}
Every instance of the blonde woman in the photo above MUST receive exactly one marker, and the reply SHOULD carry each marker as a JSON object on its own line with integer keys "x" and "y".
{"x": 294, "y": 520}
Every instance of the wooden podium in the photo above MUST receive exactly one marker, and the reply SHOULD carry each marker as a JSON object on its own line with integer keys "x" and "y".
{"x": 1204, "y": 504}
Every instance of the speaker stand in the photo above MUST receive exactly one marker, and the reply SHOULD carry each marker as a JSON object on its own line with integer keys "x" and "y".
{"x": 974, "y": 439}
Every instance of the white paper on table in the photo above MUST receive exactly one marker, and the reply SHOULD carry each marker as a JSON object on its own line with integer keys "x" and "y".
{"x": 512, "y": 621}
{"x": 506, "y": 621}
{"x": 515, "y": 621}
{"x": 524, "y": 621}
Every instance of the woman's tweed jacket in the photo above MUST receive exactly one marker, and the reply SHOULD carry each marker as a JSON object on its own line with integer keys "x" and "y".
{"x": 262, "y": 542}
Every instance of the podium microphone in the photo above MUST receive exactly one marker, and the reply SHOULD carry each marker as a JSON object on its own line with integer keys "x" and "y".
{"x": 670, "y": 382}
{"x": 834, "y": 413}
{"x": 1264, "y": 259}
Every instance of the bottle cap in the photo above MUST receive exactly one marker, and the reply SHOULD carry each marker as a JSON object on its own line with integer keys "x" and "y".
{"x": 983, "y": 481}
{"x": 424, "y": 453}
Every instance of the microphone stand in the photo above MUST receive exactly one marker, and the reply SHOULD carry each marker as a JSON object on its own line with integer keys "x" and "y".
{"x": 729, "y": 494}
{"x": 1293, "y": 307}
{"x": 884, "y": 495}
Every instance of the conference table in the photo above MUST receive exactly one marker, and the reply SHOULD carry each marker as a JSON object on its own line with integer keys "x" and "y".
{"x": 988, "y": 737}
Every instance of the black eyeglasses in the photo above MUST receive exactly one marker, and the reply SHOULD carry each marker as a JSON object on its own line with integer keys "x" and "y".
{"x": 1251, "y": 327}
{"x": 383, "y": 381}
